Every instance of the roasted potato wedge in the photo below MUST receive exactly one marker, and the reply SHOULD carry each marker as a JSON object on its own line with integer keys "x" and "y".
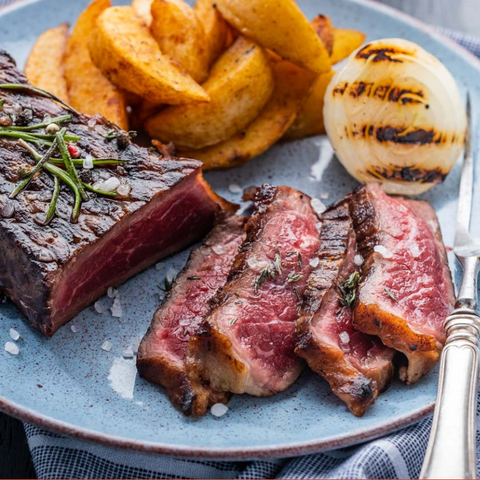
{"x": 345, "y": 42}
{"x": 324, "y": 28}
{"x": 292, "y": 86}
{"x": 180, "y": 34}
{"x": 142, "y": 9}
{"x": 45, "y": 67}
{"x": 309, "y": 120}
{"x": 215, "y": 28}
{"x": 89, "y": 90}
{"x": 239, "y": 86}
{"x": 127, "y": 54}
{"x": 278, "y": 25}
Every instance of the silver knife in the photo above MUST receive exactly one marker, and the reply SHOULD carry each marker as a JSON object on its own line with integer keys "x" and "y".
{"x": 451, "y": 448}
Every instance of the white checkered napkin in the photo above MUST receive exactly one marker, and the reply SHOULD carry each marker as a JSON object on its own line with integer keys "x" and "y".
{"x": 398, "y": 455}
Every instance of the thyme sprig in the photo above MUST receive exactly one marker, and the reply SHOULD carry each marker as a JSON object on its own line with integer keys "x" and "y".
{"x": 348, "y": 290}
{"x": 265, "y": 274}
{"x": 58, "y": 120}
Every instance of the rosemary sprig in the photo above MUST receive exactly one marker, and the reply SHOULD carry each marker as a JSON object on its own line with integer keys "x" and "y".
{"x": 72, "y": 171}
{"x": 92, "y": 189}
{"x": 349, "y": 290}
{"x": 297, "y": 293}
{"x": 36, "y": 91}
{"x": 52, "y": 208}
{"x": 27, "y": 136}
{"x": 79, "y": 161}
{"x": 168, "y": 285}
{"x": 195, "y": 277}
{"x": 59, "y": 120}
{"x": 390, "y": 294}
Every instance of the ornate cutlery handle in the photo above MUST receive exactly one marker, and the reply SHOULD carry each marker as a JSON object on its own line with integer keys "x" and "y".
{"x": 451, "y": 449}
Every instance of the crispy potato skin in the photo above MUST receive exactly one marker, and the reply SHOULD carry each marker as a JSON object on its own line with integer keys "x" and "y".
{"x": 309, "y": 120}
{"x": 278, "y": 25}
{"x": 45, "y": 67}
{"x": 324, "y": 28}
{"x": 180, "y": 34}
{"x": 345, "y": 42}
{"x": 240, "y": 84}
{"x": 89, "y": 90}
{"x": 292, "y": 86}
{"x": 215, "y": 28}
{"x": 142, "y": 9}
{"x": 125, "y": 51}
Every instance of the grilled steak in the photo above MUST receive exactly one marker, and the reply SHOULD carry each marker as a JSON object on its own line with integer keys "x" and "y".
{"x": 161, "y": 356}
{"x": 246, "y": 343}
{"x": 357, "y": 366}
{"x": 406, "y": 291}
{"x": 52, "y": 272}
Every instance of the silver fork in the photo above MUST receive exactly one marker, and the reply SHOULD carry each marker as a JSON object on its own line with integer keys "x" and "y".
{"x": 451, "y": 448}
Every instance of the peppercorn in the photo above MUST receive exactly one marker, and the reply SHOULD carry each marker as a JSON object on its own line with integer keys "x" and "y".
{"x": 123, "y": 140}
{"x": 86, "y": 176}
{"x": 5, "y": 121}
{"x": 24, "y": 171}
{"x": 74, "y": 151}
{"x": 52, "y": 129}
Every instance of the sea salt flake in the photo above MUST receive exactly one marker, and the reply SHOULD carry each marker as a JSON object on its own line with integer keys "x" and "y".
{"x": 128, "y": 353}
{"x": 107, "y": 346}
{"x": 111, "y": 292}
{"x": 14, "y": 335}
{"x": 92, "y": 122}
{"x": 12, "y": 348}
{"x": 218, "y": 410}
{"x": 109, "y": 185}
{"x": 358, "y": 260}
{"x": 88, "y": 162}
{"x": 384, "y": 252}
{"x": 344, "y": 337}
{"x": 116, "y": 308}
{"x": 124, "y": 189}
{"x": 314, "y": 262}
{"x": 99, "y": 307}
{"x": 218, "y": 249}
{"x": 74, "y": 328}
{"x": 318, "y": 206}
{"x": 234, "y": 188}
{"x": 415, "y": 250}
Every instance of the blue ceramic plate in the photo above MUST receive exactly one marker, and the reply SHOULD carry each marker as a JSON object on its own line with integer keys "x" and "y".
{"x": 70, "y": 385}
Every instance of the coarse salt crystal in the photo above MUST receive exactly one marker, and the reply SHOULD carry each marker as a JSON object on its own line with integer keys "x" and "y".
{"x": 218, "y": 410}
{"x": 111, "y": 292}
{"x": 344, "y": 337}
{"x": 116, "y": 308}
{"x": 324, "y": 195}
{"x": 234, "y": 188}
{"x": 124, "y": 189}
{"x": 318, "y": 226}
{"x": 88, "y": 162}
{"x": 415, "y": 250}
{"x": 358, "y": 260}
{"x": 73, "y": 328}
{"x": 14, "y": 335}
{"x": 318, "y": 206}
{"x": 385, "y": 253}
{"x": 109, "y": 185}
{"x": 99, "y": 308}
{"x": 12, "y": 348}
{"x": 218, "y": 249}
{"x": 92, "y": 122}
{"x": 314, "y": 262}
{"x": 107, "y": 346}
{"x": 128, "y": 353}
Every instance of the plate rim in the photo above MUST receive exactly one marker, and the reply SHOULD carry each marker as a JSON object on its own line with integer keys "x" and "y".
{"x": 239, "y": 453}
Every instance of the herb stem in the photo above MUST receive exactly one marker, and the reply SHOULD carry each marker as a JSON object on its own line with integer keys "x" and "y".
{"x": 60, "y": 119}
{"x": 96, "y": 162}
{"x": 72, "y": 171}
{"x": 29, "y": 137}
{"x": 52, "y": 208}
{"x": 99, "y": 192}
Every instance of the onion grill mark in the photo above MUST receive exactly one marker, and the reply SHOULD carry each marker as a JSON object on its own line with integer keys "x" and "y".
{"x": 385, "y": 54}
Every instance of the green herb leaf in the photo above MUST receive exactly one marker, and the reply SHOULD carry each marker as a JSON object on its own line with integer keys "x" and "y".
{"x": 262, "y": 278}
{"x": 349, "y": 290}
{"x": 195, "y": 277}
{"x": 233, "y": 321}
{"x": 300, "y": 260}
{"x": 168, "y": 285}
{"x": 294, "y": 277}
{"x": 277, "y": 262}
{"x": 297, "y": 293}
{"x": 390, "y": 294}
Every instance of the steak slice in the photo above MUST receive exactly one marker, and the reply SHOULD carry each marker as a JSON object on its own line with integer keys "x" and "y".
{"x": 52, "y": 272}
{"x": 357, "y": 366}
{"x": 246, "y": 343}
{"x": 161, "y": 356}
{"x": 406, "y": 291}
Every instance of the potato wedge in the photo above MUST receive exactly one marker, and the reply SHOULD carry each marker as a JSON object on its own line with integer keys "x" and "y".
{"x": 278, "y": 25}
{"x": 345, "y": 42}
{"x": 309, "y": 120}
{"x": 142, "y": 9}
{"x": 324, "y": 28}
{"x": 89, "y": 90}
{"x": 215, "y": 28}
{"x": 45, "y": 67}
{"x": 292, "y": 86}
{"x": 127, "y": 54}
{"x": 239, "y": 86}
{"x": 180, "y": 34}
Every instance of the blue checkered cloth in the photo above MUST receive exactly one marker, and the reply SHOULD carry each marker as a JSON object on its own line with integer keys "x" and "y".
{"x": 398, "y": 455}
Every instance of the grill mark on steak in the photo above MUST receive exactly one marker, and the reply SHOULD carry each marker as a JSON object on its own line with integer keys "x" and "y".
{"x": 416, "y": 274}
{"x": 161, "y": 356}
{"x": 357, "y": 366}
{"x": 246, "y": 343}
{"x": 53, "y": 272}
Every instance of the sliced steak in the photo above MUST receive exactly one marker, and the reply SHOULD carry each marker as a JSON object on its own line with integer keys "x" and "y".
{"x": 406, "y": 291}
{"x": 161, "y": 356}
{"x": 357, "y": 366}
{"x": 246, "y": 343}
{"x": 52, "y": 272}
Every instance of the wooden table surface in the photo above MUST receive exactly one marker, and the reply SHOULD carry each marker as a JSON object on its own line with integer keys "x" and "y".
{"x": 15, "y": 461}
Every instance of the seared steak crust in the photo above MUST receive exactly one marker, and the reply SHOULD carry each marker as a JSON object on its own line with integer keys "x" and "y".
{"x": 406, "y": 291}
{"x": 53, "y": 272}
{"x": 357, "y": 366}
{"x": 246, "y": 343}
{"x": 161, "y": 356}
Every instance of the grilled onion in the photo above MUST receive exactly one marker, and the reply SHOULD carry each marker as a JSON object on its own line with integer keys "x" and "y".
{"x": 394, "y": 114}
